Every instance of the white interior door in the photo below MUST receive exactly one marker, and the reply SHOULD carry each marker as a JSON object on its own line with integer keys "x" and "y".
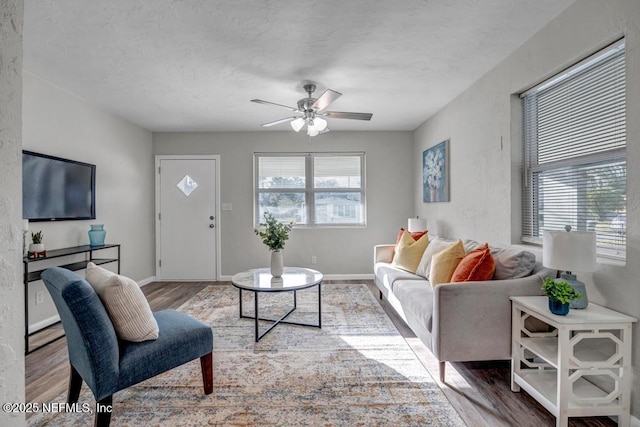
{"x": 187, "y": 228}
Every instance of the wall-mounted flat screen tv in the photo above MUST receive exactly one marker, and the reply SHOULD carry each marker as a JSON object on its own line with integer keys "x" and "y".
{"x": 57, "y": 189}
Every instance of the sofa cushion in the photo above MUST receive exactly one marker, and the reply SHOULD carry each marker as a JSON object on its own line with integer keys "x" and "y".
{"x": 409, "y": 252}
{"x": 478, "y": 265}
{"x": 436, "y": 245}
{"x": 444, "y": 263}
{"x": 387, "y": 275}
{"x": 126, "y": 305}
{"x": 416, "y": 298}
{"x": 513, "y": 263}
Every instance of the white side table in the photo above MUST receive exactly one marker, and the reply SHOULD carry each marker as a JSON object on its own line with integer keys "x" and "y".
{"x": 581, "y": 367}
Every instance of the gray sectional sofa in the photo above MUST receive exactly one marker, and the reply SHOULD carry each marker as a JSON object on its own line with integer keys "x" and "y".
{"x": 466, "y": 321}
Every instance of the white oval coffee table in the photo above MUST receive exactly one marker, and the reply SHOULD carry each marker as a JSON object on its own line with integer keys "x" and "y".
{"x": 293, "y": 279}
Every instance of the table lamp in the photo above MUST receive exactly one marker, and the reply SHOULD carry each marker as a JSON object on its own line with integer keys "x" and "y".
{"x": 417, "y": 224}
{"x": 570, "y": 251}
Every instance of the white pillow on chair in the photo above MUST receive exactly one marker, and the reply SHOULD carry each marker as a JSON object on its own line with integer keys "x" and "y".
{"x": 125, "y": 303}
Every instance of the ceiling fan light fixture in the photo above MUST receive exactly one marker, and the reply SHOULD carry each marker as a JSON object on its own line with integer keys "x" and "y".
{"x": 320, "y": 124}
{"x": 311, "y": 129}
{"x": 297, "y": 124}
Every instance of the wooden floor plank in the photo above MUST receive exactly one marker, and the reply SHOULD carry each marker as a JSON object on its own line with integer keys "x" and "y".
{"x": 479, "y": 391}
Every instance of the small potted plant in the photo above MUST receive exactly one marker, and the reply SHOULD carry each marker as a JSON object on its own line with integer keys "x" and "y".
{"x": 560, "y": 295}
{"x": 274, "y": 235}
{"x": 37, "y": 246}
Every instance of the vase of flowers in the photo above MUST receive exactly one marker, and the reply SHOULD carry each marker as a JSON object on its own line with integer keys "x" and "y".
{"x": 560, "y": 295}
{"x": 275, "y": 234}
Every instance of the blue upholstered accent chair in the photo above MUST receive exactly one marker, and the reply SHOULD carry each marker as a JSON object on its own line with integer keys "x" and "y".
{"x": 108, "y": 364}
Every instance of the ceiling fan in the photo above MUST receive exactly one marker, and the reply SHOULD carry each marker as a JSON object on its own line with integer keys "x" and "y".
{"x": 311, "y": 111}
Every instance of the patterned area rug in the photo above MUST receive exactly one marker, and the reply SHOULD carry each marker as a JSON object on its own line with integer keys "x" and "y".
{"x": 355, "y": 371}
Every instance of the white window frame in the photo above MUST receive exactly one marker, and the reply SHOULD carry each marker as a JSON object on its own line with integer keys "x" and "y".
{"x": 531, "y": 230}
{"x": 309, "y": 189}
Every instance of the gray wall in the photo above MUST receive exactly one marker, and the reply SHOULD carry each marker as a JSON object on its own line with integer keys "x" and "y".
{"x": 485, "y": 182}
{"x": 59, "y": 123}
{"x": 11, "y": 311}
{"x": 339, "y": 251}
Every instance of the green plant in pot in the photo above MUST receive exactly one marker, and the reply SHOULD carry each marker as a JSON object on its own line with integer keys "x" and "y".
{"x": 275, "y": 234}
{"x": 37, "y": 246}
{"x": 560, "y": 295}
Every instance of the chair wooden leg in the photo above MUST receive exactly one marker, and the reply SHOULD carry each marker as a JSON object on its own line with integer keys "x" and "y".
{"x": 75, "y": 384}
{"x": 206, "y": 362}
{"x": 441, "y": 369}
{"x": 104, "y": 408}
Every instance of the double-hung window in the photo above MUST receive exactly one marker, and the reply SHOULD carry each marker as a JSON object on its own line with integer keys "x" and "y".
{"x": 313, "y": 189}
{"x": 575, "y": 152}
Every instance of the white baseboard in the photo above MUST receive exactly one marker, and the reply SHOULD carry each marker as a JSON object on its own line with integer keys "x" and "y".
{"x": 348, "y": 277}
{"x": 43, "y": 324}
{"x": 227, "y": 278}
{"x": 146, "y": 281}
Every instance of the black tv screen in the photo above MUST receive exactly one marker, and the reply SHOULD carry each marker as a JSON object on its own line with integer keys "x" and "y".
{"x": 56, "y": 189}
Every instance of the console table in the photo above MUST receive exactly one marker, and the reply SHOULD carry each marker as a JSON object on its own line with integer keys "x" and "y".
{"x": 56, "y": 254}
{"x": 580, "y": 367}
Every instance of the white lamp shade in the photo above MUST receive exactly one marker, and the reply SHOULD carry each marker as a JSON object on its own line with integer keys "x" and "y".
{"x": 320, "y": 123}
{"x": 417, "y": 224}
{"x": 297, "y": 124}
{"x": 312, "y": 130}
{"x": 569, "y": 250}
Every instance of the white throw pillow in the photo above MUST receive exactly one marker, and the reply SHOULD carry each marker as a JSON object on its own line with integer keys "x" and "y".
{"x": 125, "y": 303}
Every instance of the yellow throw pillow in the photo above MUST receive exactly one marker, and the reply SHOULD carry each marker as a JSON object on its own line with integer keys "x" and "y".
{"x": 409, "y": 252}
{"x": 444, "y": 263}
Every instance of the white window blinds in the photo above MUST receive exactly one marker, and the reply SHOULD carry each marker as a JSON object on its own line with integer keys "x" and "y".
{"x": 575, "y": 152}
{"x": 311, "y": 189}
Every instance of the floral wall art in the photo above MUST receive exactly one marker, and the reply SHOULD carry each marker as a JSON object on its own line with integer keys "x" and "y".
{"x": 435, "y": 173}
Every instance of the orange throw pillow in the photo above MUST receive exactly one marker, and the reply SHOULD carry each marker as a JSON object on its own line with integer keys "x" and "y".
{"x": 478, "y": 265}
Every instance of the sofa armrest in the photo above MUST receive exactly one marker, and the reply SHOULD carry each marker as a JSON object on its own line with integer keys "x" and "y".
{"x": 472, "y": 320}
{"x": 383, "y": 253}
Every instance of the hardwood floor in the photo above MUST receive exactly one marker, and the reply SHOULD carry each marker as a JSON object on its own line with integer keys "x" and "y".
{"x": 479, "y": 391}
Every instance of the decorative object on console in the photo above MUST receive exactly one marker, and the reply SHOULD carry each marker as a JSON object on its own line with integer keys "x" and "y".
{"x": 560, "y": 294}
{"x": 570, "y": 251}
{"x": 274, "y": 236}
{"x": 97, "y": 233}
{"x": 435, "y": 172}
{"x": 36, "y": 249}
{"x": 416, "y": 224}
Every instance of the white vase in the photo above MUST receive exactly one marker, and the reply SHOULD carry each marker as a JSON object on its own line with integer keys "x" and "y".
{"x": 36, "y": 247}
{"x": 277, "y": 264}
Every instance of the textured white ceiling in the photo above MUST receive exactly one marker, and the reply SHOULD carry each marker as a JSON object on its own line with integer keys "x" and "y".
{"x": 193, "y": 65}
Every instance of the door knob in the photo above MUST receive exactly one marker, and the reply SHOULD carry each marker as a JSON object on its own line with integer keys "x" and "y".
{"x": 211, "y": 225}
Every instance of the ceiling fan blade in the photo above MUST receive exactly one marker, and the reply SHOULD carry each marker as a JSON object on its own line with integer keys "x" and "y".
{"x": 325, "y": 99}
{"x": 260, "y": 101}
{"x": 277, "y": 122}
{"x": 345, "y": 115}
